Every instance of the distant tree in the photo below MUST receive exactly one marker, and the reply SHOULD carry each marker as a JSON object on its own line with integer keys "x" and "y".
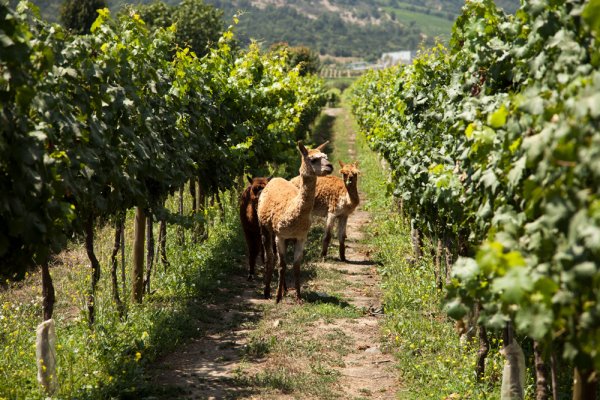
{"x": 156, "y": 14}
{"x": 302, "y": 56}
{"x": 198, "y": 24}
{"x": 79, "y": 15}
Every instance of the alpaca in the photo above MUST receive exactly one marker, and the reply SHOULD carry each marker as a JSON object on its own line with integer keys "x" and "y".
{"x": 336, "y": 198}
{"x": 249, "y": 220}
{"x": 284, "y": 213}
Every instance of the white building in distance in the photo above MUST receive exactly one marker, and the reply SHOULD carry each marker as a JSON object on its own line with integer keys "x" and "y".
{"x": 397, "y": 57}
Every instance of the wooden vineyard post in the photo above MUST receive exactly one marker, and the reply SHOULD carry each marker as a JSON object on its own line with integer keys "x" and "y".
{"x": 115, "y": 264}
{"x": 45, "y": 343}
{"x": 484, "y": 349}
{"x": 438, "y": 264}
{"x": 449, "y": 258}
{"x": 123, "y": 278}
{"x": 89, "y": 248}
{"x": 193, "y": 194}
{"x": 541, "y": 378}
{"x": 416, "y": 241}
{"x": 48, "y": 296}
{"x": 162, "y": 244}
{"x": 137, "y": 276}
{"x": 180, "y": 231}
{"x": 149, "y": 251}
{"x": 220, "y": 205}
{"x": 201, "y": 228}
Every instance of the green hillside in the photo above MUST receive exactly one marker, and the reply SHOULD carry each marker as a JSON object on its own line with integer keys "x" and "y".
{"x": 341, "y": 28}
{"x": 431, "y": 25}
{"x": 328, "y": 33}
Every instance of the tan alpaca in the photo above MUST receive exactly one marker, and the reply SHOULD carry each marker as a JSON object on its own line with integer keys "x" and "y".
{"x": 336, "y": 198}
{"x": 284, "y": 213}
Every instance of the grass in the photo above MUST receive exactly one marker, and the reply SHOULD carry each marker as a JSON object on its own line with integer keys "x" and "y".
{"x": 301, "y": 348}
{"x": 110, "y": 359}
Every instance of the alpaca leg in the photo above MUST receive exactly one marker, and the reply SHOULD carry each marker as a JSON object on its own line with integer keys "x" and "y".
{"x": 254, "y": 247}
{"x": 282, "y": 266}
{"x": 276, "y": 251}
{"x": 261, "y": 252}
{"x": 342, "y": 222}
{"x": 298, "y": 253}
{"x": 267, "y": 239}
{"x": 287, "y": 243}
{"x": 328, "y": 232}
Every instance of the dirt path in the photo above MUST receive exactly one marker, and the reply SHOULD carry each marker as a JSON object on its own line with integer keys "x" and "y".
{"x": 329, "y": 347}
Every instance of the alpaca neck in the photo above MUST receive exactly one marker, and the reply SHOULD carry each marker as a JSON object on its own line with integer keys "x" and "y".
{"x": 306, "y": 195}
{"x": 352, "y": 189}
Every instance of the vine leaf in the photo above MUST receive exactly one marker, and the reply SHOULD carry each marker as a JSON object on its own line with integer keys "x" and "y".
{"x": 498, "y": 118}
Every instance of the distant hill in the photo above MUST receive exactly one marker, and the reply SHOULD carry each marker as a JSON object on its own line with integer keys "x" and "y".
{"x": 355, "y": 28}
{"x": 343, "y": 28}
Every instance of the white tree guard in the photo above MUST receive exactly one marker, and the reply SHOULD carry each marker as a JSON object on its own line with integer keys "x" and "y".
{"x": 513, "y": 376}
{"x": 45, "y": 352}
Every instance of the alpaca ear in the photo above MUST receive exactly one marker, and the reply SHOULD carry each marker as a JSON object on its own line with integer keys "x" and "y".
{"x": 322, "y": 146}
{"x": 302, "y": 149}
{"x": 341, "y": 163}
{"x": 355, "y": 163}
{"x": 249, "y": 179}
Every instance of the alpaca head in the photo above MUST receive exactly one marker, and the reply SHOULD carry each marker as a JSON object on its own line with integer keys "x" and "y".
{"x": 256, "y": 187}
{"x": 349, "y": 171}
{"x": 314, "y": 161}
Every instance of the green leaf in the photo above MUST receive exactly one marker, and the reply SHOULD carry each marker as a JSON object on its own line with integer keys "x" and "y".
{"x": 465, "y": 269}
{"x": 535, "y": 321}
{"x": 570, "y": 351}
{"x": 24, "y": 96}
{"x": 591, "y": 15}
{"x": 497, "y": 321}
{"x": 469, "y": 130}
{"x": 585, "y": 270}
{"x": 546, "y": 286}
{"x": 498, "y": 118}
{"x": 513, "y": 286}
{"x": 516, "y": 172}
{"x": 456, "y": 309}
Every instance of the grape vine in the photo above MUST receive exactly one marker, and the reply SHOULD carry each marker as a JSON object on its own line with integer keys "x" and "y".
{"x": 94, "y": 125}
{"x": 493, "y": 141}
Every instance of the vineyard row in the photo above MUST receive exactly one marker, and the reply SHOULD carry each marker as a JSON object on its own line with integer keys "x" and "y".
{"x": 94, "y": 125}
{"x": 494, "y": 148}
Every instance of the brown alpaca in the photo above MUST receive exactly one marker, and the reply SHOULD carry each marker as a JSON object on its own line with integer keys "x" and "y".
{"x": 284, "y": 213}
{"x": 249, "y": 220}
{"x": 336, "y": 198}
